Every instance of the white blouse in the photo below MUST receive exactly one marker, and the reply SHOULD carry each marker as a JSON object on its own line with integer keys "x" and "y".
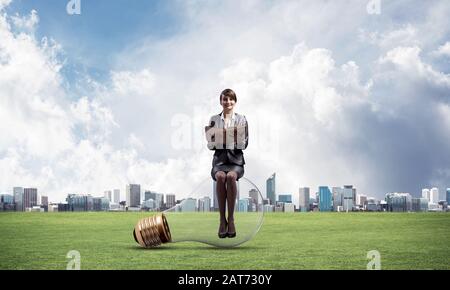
{"x": 229, "y": 122}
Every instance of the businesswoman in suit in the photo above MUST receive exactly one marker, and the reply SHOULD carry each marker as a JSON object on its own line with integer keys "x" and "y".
{"x": 228, "y": 164}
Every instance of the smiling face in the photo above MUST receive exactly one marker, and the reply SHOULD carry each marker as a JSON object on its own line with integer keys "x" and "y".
{"x": 227, "y": 103}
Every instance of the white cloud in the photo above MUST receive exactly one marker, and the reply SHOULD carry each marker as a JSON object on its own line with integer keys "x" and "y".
{"x": 404, "y": 36}
{"x": 407, "y": 59}
{"x": 132, "y": 84}
{"x": 443, "y": 50}
{"x": 62, "y": 146}
{"x": 26, "y": 23}
{"x": 4, "y": 3}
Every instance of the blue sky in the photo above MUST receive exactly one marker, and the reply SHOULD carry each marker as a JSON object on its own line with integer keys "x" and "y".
{"x": 104, "y": 28}
{"x": 334, "y": 95}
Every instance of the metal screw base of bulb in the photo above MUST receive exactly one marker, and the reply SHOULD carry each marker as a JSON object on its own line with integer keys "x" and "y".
{"x": 152, "y": 231}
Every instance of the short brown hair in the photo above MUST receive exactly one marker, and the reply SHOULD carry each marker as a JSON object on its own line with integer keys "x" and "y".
{"x": 228, "y": 93}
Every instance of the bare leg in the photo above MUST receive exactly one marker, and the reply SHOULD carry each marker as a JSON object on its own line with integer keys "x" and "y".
{"x": 221, "y": 199}
{"x": 231, "y": 200}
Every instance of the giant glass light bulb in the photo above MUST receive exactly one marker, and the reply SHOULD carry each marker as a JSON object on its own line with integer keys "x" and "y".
{"x": 196, "y": 218}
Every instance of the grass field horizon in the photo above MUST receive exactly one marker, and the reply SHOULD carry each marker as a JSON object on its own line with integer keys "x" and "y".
{"x": 285, "y": 241}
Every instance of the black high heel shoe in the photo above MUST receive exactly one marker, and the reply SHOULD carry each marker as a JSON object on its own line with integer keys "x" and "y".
{"x": 223, "y": 234}
{"x": 231, "y": 234}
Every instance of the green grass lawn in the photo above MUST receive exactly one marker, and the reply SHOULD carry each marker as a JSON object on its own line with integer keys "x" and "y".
{"x": 285, "y": 241}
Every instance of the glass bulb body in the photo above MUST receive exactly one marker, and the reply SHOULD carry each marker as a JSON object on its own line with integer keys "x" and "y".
{"x": 197, "y": 218}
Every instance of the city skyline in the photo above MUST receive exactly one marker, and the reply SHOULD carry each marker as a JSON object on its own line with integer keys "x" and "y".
{"x": 432, "y": 194}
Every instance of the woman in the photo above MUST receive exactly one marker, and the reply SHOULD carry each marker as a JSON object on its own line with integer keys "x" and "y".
{"x": 228, "y": 161}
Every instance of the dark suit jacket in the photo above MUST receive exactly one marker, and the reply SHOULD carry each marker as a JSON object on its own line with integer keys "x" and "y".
{"x": 229, "y": 156}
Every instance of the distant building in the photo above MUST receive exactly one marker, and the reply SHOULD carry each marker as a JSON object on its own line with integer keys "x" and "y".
{"x": 97, "y": 203}
{"x": 289, "y": 207}
{"x": 79, "y": 202}
{"x": 243, "y": 205}
{"x": 434, "y": 195}
{"x": 398, "y": 202}
{"x": 7, "y": 202}
{"x": 361, "y": 201}
{"x": 29, "y": 197}
{"x": 270, "y": 189}
{"x": 286, "y": 198}
{"x": 35, "y": 208}
{"x": 372, "y": 204}
{"x": 157, "y": 197}
{"x": 53, "y": 207}
{"x": 100, "y": 203}
{"x": 133, "y": 195}
{"x": 443, "y": 205}
{"x": 170, "y": 200}
{"x": 188, "y": 205}
{"x": 18, "y": 198}
{"x": 116, "y": 195}
{"x": 303, "y": 199}
{"x": 347, "y": 198}
{"x": 419, "y": 204}
{"x": 204, "y": 204}
{"x": 268, "y": 208}
{"x": 6, "y": 198}
{"x": 149, "y": 204}
{"x": 63, "y": 207}
{"x": 254, "y": 195}
{"x": 215, "y": 201}
{"x": 114, "y": 206}
{"x": 448, "y": 195}
{"x": 44, "y": 202}
{"x": 108, "y": 195}
{"x": 325, "y": 199}
{"x": 338, "y": 197}
{"x": 279, "y": 207}
{"x": 426, "y": 193}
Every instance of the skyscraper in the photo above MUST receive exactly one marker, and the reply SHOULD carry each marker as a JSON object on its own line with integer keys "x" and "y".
{"x": 108, "y": 195}
{"x": 270, "y": 189}
{"x": 361, "y": 200}
{"x": 347, "y": 201}
{"x": 133, "y": 195}
{"x": 398, "y": 202}
{"x": 325, "y": 200}
{"x": 286, "y": 198}
{"x": 303, "y": 198}
{"x": 215, "y": 202}
{"x": 79, "y": 202}
{"x": 116, "y": 195}
{"x": 44, "y": 202}
{"x": 338, "y": 197}
{"x": 243, "y": 205}
{"x": 157, "y": 197}
{"x": 29, "y": 197}
{"x": 148, "y": 194}
{"x": 100, "y": 203}
{"x": 18, "y": 198}
{"x": 434, "y": 195}
{"x": 254, "y": 196}
{"x": 170, "y": 200}
{"x": 426, "y": 193}
{"x": 204, "y": 204}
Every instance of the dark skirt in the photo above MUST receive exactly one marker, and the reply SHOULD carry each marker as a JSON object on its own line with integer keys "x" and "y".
{"x": 227, "y": 168}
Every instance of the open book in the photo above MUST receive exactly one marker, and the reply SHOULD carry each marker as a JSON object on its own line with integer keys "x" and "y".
{"x": 230, "y": 138}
